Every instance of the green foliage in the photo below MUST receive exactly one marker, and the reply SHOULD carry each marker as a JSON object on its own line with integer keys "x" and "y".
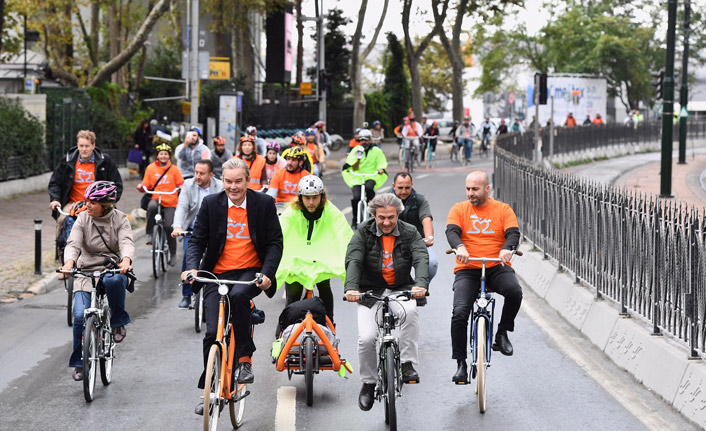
{"x": 377, "y": 108}
{"x": 113, "y": 127}
{"x": 337, "y": 56}
{"x": 396, "y": 87}
{"x": 209, "y": 97}
{"x": 164, "y": 63}
{"x": 22, "y": 140}
{"x": 437, "y": 75}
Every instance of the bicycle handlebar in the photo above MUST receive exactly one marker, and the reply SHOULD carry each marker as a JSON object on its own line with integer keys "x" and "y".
{"x": 58, "y": 209}
{"x": 405, "y": 293}
{"x": 362, "y": 174}
{"x": 152, "y": 192}
{"x": 486, "y": 259}
{"x": 192, "y": 277}
{"x": 184, "y": 233}
{"x": 95, "y": 274}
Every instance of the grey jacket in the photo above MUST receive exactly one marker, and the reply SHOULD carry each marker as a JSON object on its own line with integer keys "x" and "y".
{"x": 189, "y": 201}
{"x": 186, "y": 157}
{"x": 88, "y": 250}
{"x": 364, "y": 260}
{"x": 218, "y": 161}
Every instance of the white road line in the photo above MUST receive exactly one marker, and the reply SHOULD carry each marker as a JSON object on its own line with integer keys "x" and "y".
{"x": 422, "y": 176}
{"x": 597, "y": 370}
{"x": 347, "y": 210}
{"x": 285, "y": 417}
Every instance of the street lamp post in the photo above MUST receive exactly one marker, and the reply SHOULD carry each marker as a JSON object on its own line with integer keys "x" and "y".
{"x": 684, "y": 90}
{"x": 668, "y": 104}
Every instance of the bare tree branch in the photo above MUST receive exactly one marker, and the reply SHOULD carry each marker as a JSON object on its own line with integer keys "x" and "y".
{"x": 87, "y": 39}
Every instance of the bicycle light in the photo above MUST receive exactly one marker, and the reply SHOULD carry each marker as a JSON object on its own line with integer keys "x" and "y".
{"x": 482, "y": 302}
{"x": 157, "y": 217}
{"x": 222, "y": 289}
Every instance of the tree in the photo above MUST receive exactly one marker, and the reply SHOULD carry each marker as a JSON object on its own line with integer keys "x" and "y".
{"x": 358, "y": 58}
{"x": 414, "y": 54}
{"x": 300, "y": 41}
{"x": 436, "y": 78}
{"x": 337, "y": 57}
{"x": 396, "y": 88}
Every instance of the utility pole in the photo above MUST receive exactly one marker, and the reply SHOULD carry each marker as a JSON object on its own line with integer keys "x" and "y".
{"x": 684, "y": 90}
{"x": 668, "y": 104}
{"x": 537, "y": 149}
{"x": 320, "y": 62}
{"x": 194, "y": 66}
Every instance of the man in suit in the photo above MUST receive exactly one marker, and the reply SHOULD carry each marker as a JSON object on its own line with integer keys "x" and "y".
{"x": 243, "y": 235}
{"x": 192, "y": 193}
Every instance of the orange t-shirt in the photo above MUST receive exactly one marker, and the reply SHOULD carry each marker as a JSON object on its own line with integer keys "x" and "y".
{"x": 239, "y": 251}
{"x": 84, "y": 176}
{"x": 312, "y": 151}
{"x": 388, "y": 266}
{"x": 170, "y": 181}
{"x": 353, "y": 143}
{"x": 482, "y": 229}
{"x": 286, "y": 184}
{"x": 570, "y": 122}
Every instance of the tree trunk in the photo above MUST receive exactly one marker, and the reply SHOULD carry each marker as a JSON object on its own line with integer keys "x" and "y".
{"x": 2, "y": 20}
{"x": 219, "y": 37}
{"x": 453, "y": 51}
{"x": 141, "y": 68}
{"x": 113, "y": 34}
{"x": 68, "y": 37}
{"x": 357, "y": 60}
{"x": 415, "y": 81}
{"x": 300, "y": 41}
{"x": 95, "y": 26}
{"x": 235, "y": 44}
{"x": 132, "y": 47}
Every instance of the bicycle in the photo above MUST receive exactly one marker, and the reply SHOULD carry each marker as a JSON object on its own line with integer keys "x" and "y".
{"x": 197, "y": 302}
{"x": 429, "y": 155}
{"x": 303, "y": 354}
{"x": 218, "y": 390}
{"x": 98, "y": 343}
{"x": 408, "y": 153}
{"x": 481, "y": 338}
{"x": 160, "y": 248}
{"x": 60, "y": 245}
{"x": 362, "y": 214}
{"x": 454, "y": 151}
{"x": 484, "y": 145}
{"x": 389, "y": 381}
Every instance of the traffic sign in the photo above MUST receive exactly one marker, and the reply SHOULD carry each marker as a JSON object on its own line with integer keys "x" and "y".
{"x": 511, "y": 98}
{"x": 305, "y": 88}
{"x": 684, "y": 113}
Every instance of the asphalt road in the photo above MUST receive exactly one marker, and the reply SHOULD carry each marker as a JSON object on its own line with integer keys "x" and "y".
{"x": 542, "y": 387}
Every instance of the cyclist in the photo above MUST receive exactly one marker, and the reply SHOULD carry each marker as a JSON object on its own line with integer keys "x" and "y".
{"x": 502, "y": 128}
{"x": 412, "y": 132}
{"x": 82, "y": 165}
{"x": 256, "y": 163}
{"x": 400, "y": 248}
{"x": 219, "y": 155}
{"x": 315, "y": 150}
{"x": 486, "y": 129}
{"x": 170, "y": 179}
{"x": 239, "y": 233}
{"x": 417, "y": 212}
{"x": 283, "y": 186}
{"x": 516, "y": 126}
{"x": 316, "y": 234}
{"x": 273, "y": 162}
{"x": 261, "y": 145}
{"x": 191, "y": 196}
{"x": 378, "y": 133}
{"x": 192, "y": 150}
{"x": 100, "y": 231}
{"x": 482, "y": 227}
{"x": 464, "y": 134}
{"x": 433, "y": 133}
{"x": 299, "y": 140}
{"x": 454, "y": 139}
{"x": 354, "y": 141}
{"x": 364, "y": 159}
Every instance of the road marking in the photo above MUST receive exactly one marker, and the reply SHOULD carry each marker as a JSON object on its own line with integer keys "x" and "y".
{"x": 285, "y": 416}
{"x": 422, "y": 176}
{"x": 597, "y": 370}
{"x": 347, "y": 210}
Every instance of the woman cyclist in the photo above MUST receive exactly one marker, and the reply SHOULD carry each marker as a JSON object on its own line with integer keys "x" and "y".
{"x": 316, "y": 235}
{"x": 256, "y": 163}
{"x": 99, "y": 232}
{"x": 273, "y": 162}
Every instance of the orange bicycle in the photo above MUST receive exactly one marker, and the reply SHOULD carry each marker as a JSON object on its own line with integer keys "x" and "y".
{"x": 310, "y": 348}
{"x": 221, "y": 387}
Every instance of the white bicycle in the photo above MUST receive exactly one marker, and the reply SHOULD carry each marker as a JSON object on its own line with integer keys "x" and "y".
{"x": 362, "y": 214}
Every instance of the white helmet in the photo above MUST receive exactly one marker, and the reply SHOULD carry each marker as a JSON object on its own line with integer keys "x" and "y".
{"x": 311, "y": 185}
{"x": 365, "y": 135}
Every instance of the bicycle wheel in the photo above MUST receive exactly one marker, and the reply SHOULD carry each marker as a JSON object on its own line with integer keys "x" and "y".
{"x": 164, "y": 255}
{"x": 107, "y": 345}
{"x": 198, "y": 311}
{"x": 90, "y": 353}
{"x": 391, "y": 374}
{"x": 309, "y": 370}
{"x": 360, "y": 217}
{"x": 237, "y": 405}
{"x": 69, "y": 286}
{"x": 481, "y": 363}
{"x": 156, "y": 242}
{"x": 212, "y": 390}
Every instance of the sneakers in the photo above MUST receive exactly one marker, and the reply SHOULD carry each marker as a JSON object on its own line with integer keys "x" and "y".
{"x": 409, "y": 374}
{"x": 461, "y": 376}
{"x": 366, "y": 397}
{"x": 185, "y": 303}
{"x": 78, "y": 374}
{"x": 172, "y": 258}
{"x": 245, "y": 374}
{"x": 199, "y": 409}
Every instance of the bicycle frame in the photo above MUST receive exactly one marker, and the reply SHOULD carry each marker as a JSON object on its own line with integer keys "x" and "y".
{"x": 481, "y": 311}
{"x": 310, "y": 327}
{"x": 362, "y": 213}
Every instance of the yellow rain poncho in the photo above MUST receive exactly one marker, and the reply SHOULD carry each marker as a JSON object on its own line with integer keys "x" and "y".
{"x": 371, "y": 162}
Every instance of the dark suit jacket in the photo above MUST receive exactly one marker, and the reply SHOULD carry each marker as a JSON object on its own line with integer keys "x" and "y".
{"x": 210, "y": 230}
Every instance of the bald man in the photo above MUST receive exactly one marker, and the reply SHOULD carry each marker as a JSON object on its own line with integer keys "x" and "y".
{"x": 482, "y": 227}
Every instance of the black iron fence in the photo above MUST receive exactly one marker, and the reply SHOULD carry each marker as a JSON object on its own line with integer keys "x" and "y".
{"x": 647, "y": 254}
{"x": 578, "y": 139}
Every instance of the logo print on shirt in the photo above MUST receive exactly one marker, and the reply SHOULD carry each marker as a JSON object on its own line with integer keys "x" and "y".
{"x": 236, "y": 230}
{"x": 84, "y": 176}
{"x": 164, "y": 180}
{"x": 385, "y": 256}
{"x": 480, "y": 226}
{"x": 290, "y": 188}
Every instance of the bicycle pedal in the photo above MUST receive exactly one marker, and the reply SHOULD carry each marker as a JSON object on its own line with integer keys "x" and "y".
{"x": 461, "y": 383}
{"x": 235, "y": 400}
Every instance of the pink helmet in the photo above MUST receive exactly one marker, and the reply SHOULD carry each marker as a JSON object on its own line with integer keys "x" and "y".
{"x": 102, "y": 191}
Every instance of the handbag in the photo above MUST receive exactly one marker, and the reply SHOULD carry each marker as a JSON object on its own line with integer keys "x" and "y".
{"x": 145, "y": 201}
{"x": 134, "y": 156}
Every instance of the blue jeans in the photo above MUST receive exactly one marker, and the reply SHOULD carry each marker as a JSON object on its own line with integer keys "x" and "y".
{"x": 433, "y": 263}
{"x": 185, "y": 287}
{"x": 115, "y": 291}
{"x": 467, "y": 144}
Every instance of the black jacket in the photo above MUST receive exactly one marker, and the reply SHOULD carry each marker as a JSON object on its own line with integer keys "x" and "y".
{"x": 63, "y": 176}
{"x": 210, "y": 230}
{"x": 364, "y": 260}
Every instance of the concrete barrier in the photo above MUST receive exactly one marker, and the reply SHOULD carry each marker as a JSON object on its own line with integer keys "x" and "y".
{"x": 658, "y": 362}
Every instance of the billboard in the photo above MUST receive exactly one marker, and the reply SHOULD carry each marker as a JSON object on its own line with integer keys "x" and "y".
{"x": 579, "y": 94}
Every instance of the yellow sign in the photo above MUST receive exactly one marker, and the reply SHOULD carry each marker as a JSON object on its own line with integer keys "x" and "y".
{"x": 185, "y": 107}
{"x": 305, "y": 88}
{"x": 219, "y": 68}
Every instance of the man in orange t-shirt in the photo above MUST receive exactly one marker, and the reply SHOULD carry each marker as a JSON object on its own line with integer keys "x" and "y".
{"x": 482, "y": 227}
{"x": 242, "y": 231}
{"x": 168, "y": 182}
{"x": 284, "y": 183}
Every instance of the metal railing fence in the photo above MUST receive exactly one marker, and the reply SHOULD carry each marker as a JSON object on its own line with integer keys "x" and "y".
{"x": 647, "y": 254}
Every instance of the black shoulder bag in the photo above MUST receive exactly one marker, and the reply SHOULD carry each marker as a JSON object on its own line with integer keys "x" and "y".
{"x": 148, "y": 197}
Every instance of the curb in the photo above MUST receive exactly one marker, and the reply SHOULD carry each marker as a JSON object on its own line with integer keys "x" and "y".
{"x": 658, "y": 362}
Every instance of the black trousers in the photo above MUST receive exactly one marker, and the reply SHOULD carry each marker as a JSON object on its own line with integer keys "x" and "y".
{"x": 240, "y": 297}
{"x": 500, "y": 279}
{"x": 369, "y": 194}
{"x": 296, "y": 290}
